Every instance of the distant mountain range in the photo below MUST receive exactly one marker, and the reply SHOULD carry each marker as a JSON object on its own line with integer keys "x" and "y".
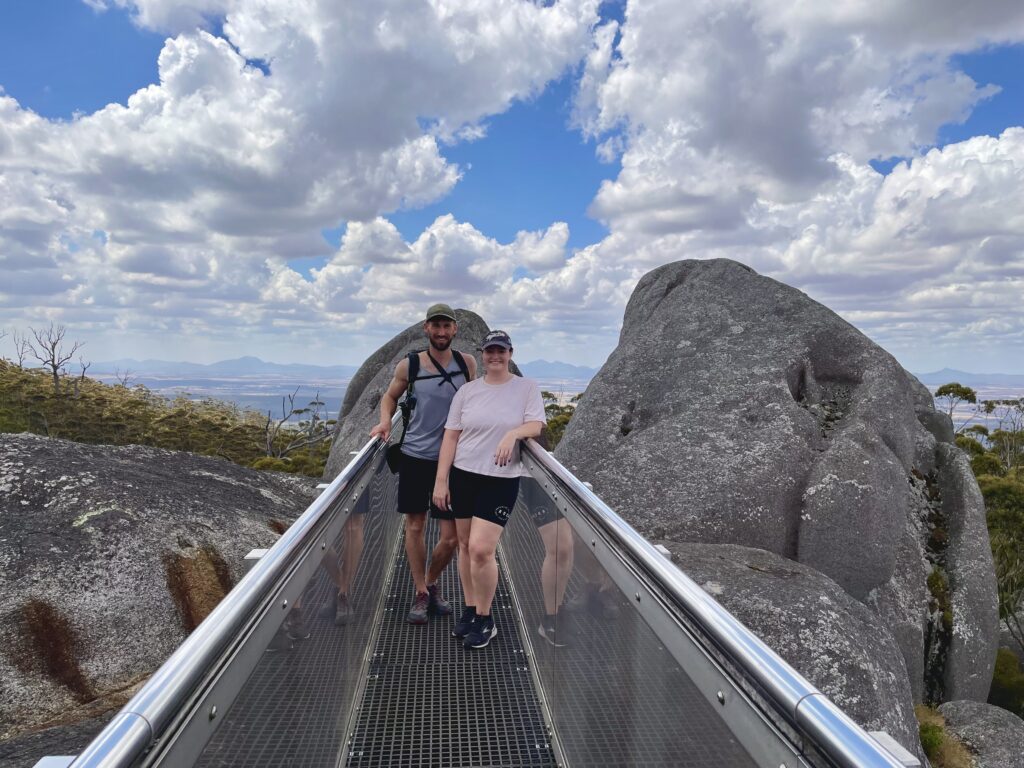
{"x": 253, "y": 366}
{"x": 239, "y": 367}
{"x": 949, "y": 375}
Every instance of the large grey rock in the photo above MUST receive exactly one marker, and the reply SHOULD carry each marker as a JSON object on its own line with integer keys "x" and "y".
{"x": 972, "y": 580}
{"x": 736, "y": 409}
{"x": 109, "y": 556}
{"x": 837, "y": 643}
{"x": 994, "y": 736}
{"x": 360, "y": 410}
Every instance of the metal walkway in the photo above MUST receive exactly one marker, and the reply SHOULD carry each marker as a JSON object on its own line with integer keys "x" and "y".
{"x": 430, "y": 702}
{"x": 650, "y": 670}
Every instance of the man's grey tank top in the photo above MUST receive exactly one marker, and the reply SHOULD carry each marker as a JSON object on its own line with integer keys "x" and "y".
{"x": 426, "y": 428}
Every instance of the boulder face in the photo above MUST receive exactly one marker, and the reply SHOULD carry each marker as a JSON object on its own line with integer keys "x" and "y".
{"x": 737, "y": 410}
{"x": 360, "y": 410}
{"x": 124, "y": 548}
{"x": 837, "y": 643}
{"x": 994, "y": 736}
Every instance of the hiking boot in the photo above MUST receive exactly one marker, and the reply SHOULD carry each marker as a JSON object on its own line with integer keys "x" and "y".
{"x": 329, "y": 606}
{"x": 438, "y": 606}
{"x": 280, "y": 641}
{"x": 465, "y": 622}
{"x": 342, "y": 610}
{"x": 296, "y": 627}
{"x": 481, "y": 633}
{"x": 607, "y": 607}
{"x": 582, "y": 602}
{"x": 418, "y": 612}
{"x": 548, "y": 632}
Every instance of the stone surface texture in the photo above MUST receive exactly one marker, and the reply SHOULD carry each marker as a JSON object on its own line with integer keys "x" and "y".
{"x": 994, "y": 736}
{"x": 107, "y": 554}
{"x": 737, "y": 410}
{"x": 834, "y": 641}
{"x": 360, "y": 410}
{"x": 971, "y": 578}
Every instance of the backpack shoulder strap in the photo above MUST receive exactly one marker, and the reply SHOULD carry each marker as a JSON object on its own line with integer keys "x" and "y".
{"x": 462, "y": 364}
{"x": 414, "y": 370}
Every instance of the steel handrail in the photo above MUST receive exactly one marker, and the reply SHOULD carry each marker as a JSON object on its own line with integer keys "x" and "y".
{"x": 150, "y": 711}
{"x": 829, "y": 728}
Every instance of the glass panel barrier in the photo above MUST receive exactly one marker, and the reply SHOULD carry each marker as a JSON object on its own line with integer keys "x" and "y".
{"x": 642, "y": 667}
{"x": 295, "y": 707}
{"x": 616, "y": 695}
{"x": 269, "y": 678}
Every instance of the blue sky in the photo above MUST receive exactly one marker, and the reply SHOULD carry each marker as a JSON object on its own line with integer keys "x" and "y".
{"x": 242, "y": 209}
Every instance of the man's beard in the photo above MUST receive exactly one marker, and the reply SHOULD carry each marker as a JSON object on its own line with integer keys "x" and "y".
{"x": 440, "y": 344}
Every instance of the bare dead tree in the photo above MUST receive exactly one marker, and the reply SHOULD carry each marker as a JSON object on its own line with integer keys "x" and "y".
{"x": 309, "y": 431}
{"x": 84, "y": 366}
{"x": 51, "y": 351}
{"x": 124, "y": 378}
{"x": 22, "y": 348}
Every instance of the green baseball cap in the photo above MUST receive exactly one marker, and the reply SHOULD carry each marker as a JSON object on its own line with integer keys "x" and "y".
{"x": 440, "y": 310}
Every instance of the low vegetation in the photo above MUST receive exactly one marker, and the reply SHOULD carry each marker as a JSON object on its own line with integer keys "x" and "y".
{"x": 75, "y": 407}
{"x": 997, "y": 460}
{"x": 942, "y": 749}
{"x": 558, "y": 415}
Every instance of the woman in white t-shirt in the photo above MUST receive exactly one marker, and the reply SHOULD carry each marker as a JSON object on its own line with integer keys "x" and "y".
{"x": 478, "y": 474}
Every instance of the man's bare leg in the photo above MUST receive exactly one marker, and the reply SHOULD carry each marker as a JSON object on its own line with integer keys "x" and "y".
{"x": 351, "y": 552}
{"x": 447, "y": 543}
{"x": 416, "y": 549}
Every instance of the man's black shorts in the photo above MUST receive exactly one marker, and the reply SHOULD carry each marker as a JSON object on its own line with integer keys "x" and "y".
{"x": 484, "y": 496}
{"x": 416, "y": 487}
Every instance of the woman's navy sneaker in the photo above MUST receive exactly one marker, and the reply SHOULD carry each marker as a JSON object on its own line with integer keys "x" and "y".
{"x": 465, "y": 622}
{"x": 481, "y": 633}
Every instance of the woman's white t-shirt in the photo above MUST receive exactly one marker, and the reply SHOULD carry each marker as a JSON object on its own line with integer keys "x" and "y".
{"x": 485, "y": 413}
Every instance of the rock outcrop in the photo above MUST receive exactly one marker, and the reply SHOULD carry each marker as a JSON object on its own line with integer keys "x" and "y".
{"x": 737, "y": 410}
{"x": 994, "y": 736}
{"x": 110, "y": 556}
{"x": 360, "y": 409}
{"x": 837, "y": 643}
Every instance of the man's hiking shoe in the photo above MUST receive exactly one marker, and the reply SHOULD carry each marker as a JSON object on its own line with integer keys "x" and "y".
{"x": 481, "y": 633}
{"x": 295, "y": 626}
{"x": 548, "y": 632}
{"x": 280, "y": 641}
{"x": 329, "y": 606}
{"x": 438, "y": 606}
{"x": 465, "y": 623}
{"x": 418, "y": 612}
{"x": 596, "y": 602}
{"x": 342, "y": 610}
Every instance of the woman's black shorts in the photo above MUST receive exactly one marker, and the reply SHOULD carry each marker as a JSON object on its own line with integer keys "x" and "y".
{"x": 484, "y": 496}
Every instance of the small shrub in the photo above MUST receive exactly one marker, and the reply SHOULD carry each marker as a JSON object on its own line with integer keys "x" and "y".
{"x": 969, "y": 445}
{"x": 987, "y": 464}
{"x": 931, "y": 739}
{"x": 1007, "y": 689}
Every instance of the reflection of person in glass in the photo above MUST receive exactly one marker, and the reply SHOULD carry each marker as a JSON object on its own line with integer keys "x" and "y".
{"x": 556, "y": 533}
{"x": 478, "y": 473}
{"x": 342, "y": 568}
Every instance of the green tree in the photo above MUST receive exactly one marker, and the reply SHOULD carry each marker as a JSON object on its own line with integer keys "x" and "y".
{"x": 952, "y": 395}
{"x": 1004, "y": 509}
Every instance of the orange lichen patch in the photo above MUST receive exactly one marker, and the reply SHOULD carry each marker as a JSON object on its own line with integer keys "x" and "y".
{"x": 277, "y": 526}
{"x": 197, "y": 583}
{"x": 51, "y": 645}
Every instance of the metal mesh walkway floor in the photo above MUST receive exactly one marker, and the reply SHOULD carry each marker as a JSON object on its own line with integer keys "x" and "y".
{"x": 430, "y": 702}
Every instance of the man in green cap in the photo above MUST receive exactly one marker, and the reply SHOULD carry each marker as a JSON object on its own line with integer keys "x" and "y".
{"x": 438, "y": 373}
